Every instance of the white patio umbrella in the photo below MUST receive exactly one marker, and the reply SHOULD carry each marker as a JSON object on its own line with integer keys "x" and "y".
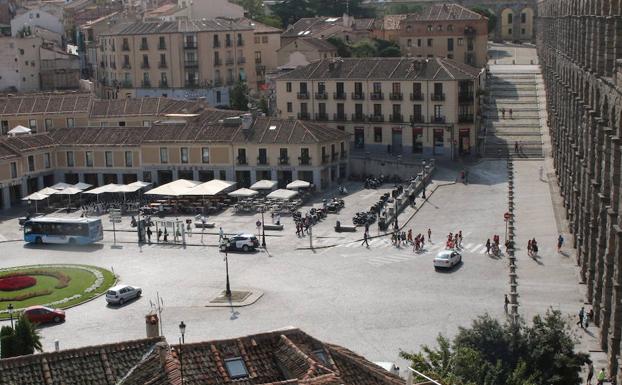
{"x": 175, "y": 188}
{"x": 210, "y": 188}
{"x": 61, "y": 186}
{"x": 264, "y": 184}
{"x": 37, "y": 196}
{"x": 82, "y": 186}
{"x": 282, "y": 194}
{"x": 243, "y": 193}
{"x": 298, "y": 184}
{"x": 69, "y": 191}
{"x": 47, "y": 191}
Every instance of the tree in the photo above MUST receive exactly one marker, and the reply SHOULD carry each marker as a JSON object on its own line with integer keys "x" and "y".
{"x": 254, "y": 8}
{"x": 238, "y": 96}
{"x": 492, "y": 17}
{"x": 364, "y": 48}
{"x": 491, "y": 353}
{"x": 290, "y": 11}
{"x": 402, "y": 9}
{"x": 263, "y": 105}
{"x": 343, "y": 49}
{"x": 386, "y": 48}
{"x": 271, "y": 20}
{"x": 7, "y": 342}
{"x": 27, "y": 337}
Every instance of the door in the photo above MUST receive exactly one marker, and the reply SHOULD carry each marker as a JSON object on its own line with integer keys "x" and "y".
{"x": 464, "y": 143}
{"x": 359, "y": 137}
{"x": 438, "y": 141}
{"x": 396, "y": 140}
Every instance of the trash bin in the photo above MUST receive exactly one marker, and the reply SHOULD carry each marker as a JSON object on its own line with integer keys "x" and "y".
{"x": 152, "y": 324}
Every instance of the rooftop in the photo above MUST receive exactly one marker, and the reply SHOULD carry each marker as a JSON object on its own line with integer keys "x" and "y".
{"x": 140, "y": 28}
{"x": 319, "y": 44}
{"x": 315, "y": 26}
{"x": 445, "y": 12}
{"x": 384, "y": 69}
{"x": 48, "y": 103}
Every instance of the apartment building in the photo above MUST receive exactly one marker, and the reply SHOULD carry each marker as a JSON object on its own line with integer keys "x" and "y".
{"x": 445, "y": 30}
{"x": 183, "y": 59}
{"x": 200, "y": 146}
{"x": 403, "y": 106}
{"x": 347, "y": 28}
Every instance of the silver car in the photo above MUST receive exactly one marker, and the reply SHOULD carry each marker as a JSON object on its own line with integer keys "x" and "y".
{"x": 120, "y": 294}
{"x": 447, "y": 259}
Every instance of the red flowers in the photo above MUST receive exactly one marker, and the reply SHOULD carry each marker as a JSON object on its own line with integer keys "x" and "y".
{"x": 17, "y": 282}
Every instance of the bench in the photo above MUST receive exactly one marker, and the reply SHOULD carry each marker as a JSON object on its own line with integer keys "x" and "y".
{"x": 272, "y": 227}
{"x": 345, "y": 229}
{"x": 206, "y": 225}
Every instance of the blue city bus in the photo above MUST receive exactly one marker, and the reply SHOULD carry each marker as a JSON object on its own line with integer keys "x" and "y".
{"x": 73, "y": 231}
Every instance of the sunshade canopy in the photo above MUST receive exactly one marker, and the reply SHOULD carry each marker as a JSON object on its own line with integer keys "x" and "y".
{"x": 37, "y": 196}
{"x": 264, "y": 184}
{"x": 213, "y": 187}
{"x": 282, "y": 194}
{"x": 61, "y": 186}
{"x": 243, "y": 193}
{"x": 19, "y": 129}
{"x": 175, "y": 188}
{"x": 110, "y": 187}
{"x": 82, "y": 186}
{"x": 47, "y": 191}
{"x": 69, "y": 191}
{"x": 298, "y": 184}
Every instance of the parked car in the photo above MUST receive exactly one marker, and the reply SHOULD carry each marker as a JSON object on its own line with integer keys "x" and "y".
{"x": 244, "y": 242}
{"x": 43, "y": 314}
{"x": 120, "y": 294}
{"x": 447, "y": 259}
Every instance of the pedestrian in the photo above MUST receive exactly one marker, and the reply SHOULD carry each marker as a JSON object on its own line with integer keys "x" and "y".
{"x": 516, "y": 147}
{"x": 149, "y": 232}
{"x": 410, "y": 236}
{"x": 534, "y": 247}
{"x": 429, "y": 235}
{"x": 510, "y": 111}
{"x": 159, "y": 235}
{"x": 600, "y": 378}
{"x": 586, "y": 319}
{"x": 460, "y": 238}
{"x": 590, "y": 372}
{"x": 404, "y": 237}
{"x": 421, "y": 241}
{"x": 365, "y": 239}
{"x": 221, "y": 235}
{"x": 488, "y": 246}
{"x": 529, "y": 247}
{"x": 590, "y": 315}
{"x": 503, "y": 112}
{"x": 560, "y": 243}
{"x": 507, "y": 302}
{"x": 165, "y": 236}
{"x": 581, "y": 313}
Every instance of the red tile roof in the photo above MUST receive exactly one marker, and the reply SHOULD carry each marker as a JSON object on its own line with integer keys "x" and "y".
{"x": 29, "y": 104}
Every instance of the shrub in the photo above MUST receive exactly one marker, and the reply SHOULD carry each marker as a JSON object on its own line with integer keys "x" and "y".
{"x": 25, "y": 296}
{"x": 63, "y": 279}
{"x": 17, "y": 282}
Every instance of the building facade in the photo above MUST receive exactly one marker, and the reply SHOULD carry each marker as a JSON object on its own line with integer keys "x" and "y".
{"x": 304, "y": 51}
{"x": 183, "y": 59}
{"x": 445, "y": 30}
{"x": 579, "y": 44}
{"x": 401, "y": 106}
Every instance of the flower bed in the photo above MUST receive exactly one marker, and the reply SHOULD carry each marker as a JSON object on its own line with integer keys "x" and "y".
{"x": 25, "y": 296}
{"x": 63, "y": 279}
{"x": 16, "y": 282}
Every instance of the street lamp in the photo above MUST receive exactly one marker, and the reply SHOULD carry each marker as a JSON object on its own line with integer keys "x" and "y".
{"x": 182, "y": 330}
{"x": 228, "y": 288}
{"x": 263, "y": 230}
{"x": 10, "y": 308}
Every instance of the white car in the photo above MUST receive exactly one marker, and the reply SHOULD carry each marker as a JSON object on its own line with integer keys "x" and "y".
{"x": 244, "y": 242}
{"x": 120, "y": 294}
{"x": 447, "y": 259}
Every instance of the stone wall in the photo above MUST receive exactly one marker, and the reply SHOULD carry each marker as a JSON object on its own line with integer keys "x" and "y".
{"x": 579, "y": 43}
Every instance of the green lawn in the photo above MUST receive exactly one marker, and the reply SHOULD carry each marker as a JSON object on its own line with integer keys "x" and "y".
{"x": 80, "y": 281}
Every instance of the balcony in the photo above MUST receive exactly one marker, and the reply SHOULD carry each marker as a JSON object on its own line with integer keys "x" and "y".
{"x": 358, "y": 117}
{"x": 125, "y": 47}
{"x": 228, "y": 43}
{"x": 302, "y": 95}
{"x": 230, "y": 81}
{"x": 242, "y": 160}
{"x": 339, "y": 95}
{"x": 216, "y": 44}
{"x": 240, "y": 42}
{"x": 262, "y": 160}
{"x": 465, "y": 97}
{"x": 340, "y": 117}
{"x": 126, "y": 66}
{"x": 358, "y": 96}
{"x": 191, "y": 63}
{"x": 163, "y": 84}
{"x": 344, "y": 155}
{"x": 162, "y": 65}
{"x": 162, "y": 47}
{"x": 146, "y": 84}
{"x": 144, "y": 47}
{"x": 376, "y": 96}
{"x": 466, "y": 118}
{"x": 321, "y": 116}
{"x": 241, "y": 60}
{"x": 191, "y": 84}
{"x": 125, "y": 84}
{"x": 304, "y": 116}
{"x": 284, "y": 160}
{"x": 217, "y": 62}
{"x": 217, "y": 82}
{"x": 321, "y": 95}
{"x": 417, "y": 119}
{"x": 229, "y": 61}
{"x": 396, "y": 96}
{"x": 376, "y": 118}
{"x": 144, "y": 65}
{"x": 190, "y": 45}
{"x": 325, "y": 158}
{"x": 304, "y": 160}
{"x": 334, "y": 156}
{"x": 437, "y": 119}
{"x": 396, "y": 118}
{"x": 437, "y": 97}
{"x": 415, "y": 97}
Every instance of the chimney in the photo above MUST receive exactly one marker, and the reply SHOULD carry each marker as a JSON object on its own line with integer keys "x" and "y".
{"x": 162, "y": 350}
{"x": 347, "y": 20}
{"x": 247, "y": 121}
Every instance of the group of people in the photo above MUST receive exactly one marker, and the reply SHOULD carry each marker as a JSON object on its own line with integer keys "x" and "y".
{"x": 532, "y": 247}
{"x": 454, "y": 241}
{"x": 493, "y": 247}
{"x": 303, "y": 225}
{"x": 503, "y": 112}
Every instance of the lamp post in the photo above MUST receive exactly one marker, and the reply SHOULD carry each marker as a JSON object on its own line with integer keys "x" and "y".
{"x": 228, "y": 287}
{"x": 10, "y": 308}
{"x": 263, "y": 230}
{"x": 182, "y": 330}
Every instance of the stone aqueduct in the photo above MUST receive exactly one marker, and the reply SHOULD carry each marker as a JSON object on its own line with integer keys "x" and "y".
{"x": 580, "y": 49}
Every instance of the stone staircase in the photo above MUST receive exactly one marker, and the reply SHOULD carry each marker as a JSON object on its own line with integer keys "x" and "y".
{"x": 517, "y": 91}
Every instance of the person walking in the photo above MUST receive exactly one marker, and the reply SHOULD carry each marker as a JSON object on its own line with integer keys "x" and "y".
{"x": 516, "y": 147}
{"x": 488, "y": 246}
{"x": 460, "y": 238}
{"x": 221, "y": 235}
{"x": 503, "y": 112}
{"x": 149, "y": 232}
{"x": 590, "y": 372}
{"x": 365, "y": 239}
{"x": 534, "y": 247}
{"x": 581, "y": 313}
{"x": 560, "y": 243}
{"x": 601, "y": 377}
{"x": 586, "y": 320}
{"x": 510, "y": 111}
{"x": 507, "y": 302}
{"x": 410, "y": 236}
{"x": 430, "y": 235}
{"x": 529, "y": 247}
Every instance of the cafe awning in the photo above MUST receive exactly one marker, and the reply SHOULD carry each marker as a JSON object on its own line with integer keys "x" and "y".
{"x": 82, "y": 186}
{"x": 264, "y": 184}
{"x": 61, "y": 186}
{"x": 298, "y": 184}
{"x": 243, "y": 193}
{"x": 36, "y": 196}
{"x": 213, "y": 187}
{"x": 47, "y": 191}
{"x": 175, "y": 188}
{"x": 282, "y": 194}
{"x": 110, "y": 187}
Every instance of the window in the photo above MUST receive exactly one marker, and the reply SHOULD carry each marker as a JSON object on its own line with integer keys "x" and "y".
{"x": 31, "y": 163}
{"x": 122, "y": 124}
{"x": 303, "y": 88}
{"x": 522, "y": 31}
{"x": 510, "y": 18}
{"x": 321, "y": 355}
{"x": 438, "y": 88}
{"x": 143, "y": 43}
{"x": 46, "y": 160}
{"x": 263, "y": 156}
{"x": 162, "y": 43}
{"x": 430, "y": 42}
{"x": 523, "y": 17}
{"x": 450, "y": 44}
{"x": 396, "y": 89}
{"x": 430, "y": 28}
{"x": 13, "y": 170}
{"x": 378, "y": 134}
{"x": 70, "y": 159}
{"x": 409, "y": 43}
{"x": 288, "y": 87}
{"x": 236, "y": 368}
{"x": 450, "y": 28}
{"x": 321, "y": 88}
{"x": 377, "y": 86}
{"x": 89, "y": 158}
{"x": 438, "y": 111}
{"x": 163, "y": 155}
{"x": 257, "y": 57}
{"x": 32, "y": 124}
{"x": 460, "y": 41}
{"x": 70, "y": 123}
{"x": 509, "y": 31}
{"x": 218, "y": 97}
{"x": 48, "y": 124}
{"x": 257, "y": 39}
{"x": 183, "y": 153}
{"x": 439, "y": 28}
{"x": 289, "y": 107}
{"x": 205, "y": 155}
{"x": 129, "y": 158}
{"x": 222, "y": 175}
{"x": 418, "y": 42}
{"x": 4, "y": 125}
{"x": 377, "y": 109}
{"x": 108, "y": 156}
{"x": 264, "y": 39}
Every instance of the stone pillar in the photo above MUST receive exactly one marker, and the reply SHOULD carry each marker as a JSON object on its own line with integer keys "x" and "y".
{"x": 100, "y": 179}
{"x": 195, "y": 174}
{"x": 317, "y": 178}
{"x": 24, "y": 187}
{"x": 6, "y": 197}
{"x": 175, "y": 174}
{"x": 40, "y": 184}
{"x": 613, "y": 350}
{"x": 605, "y": 309}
